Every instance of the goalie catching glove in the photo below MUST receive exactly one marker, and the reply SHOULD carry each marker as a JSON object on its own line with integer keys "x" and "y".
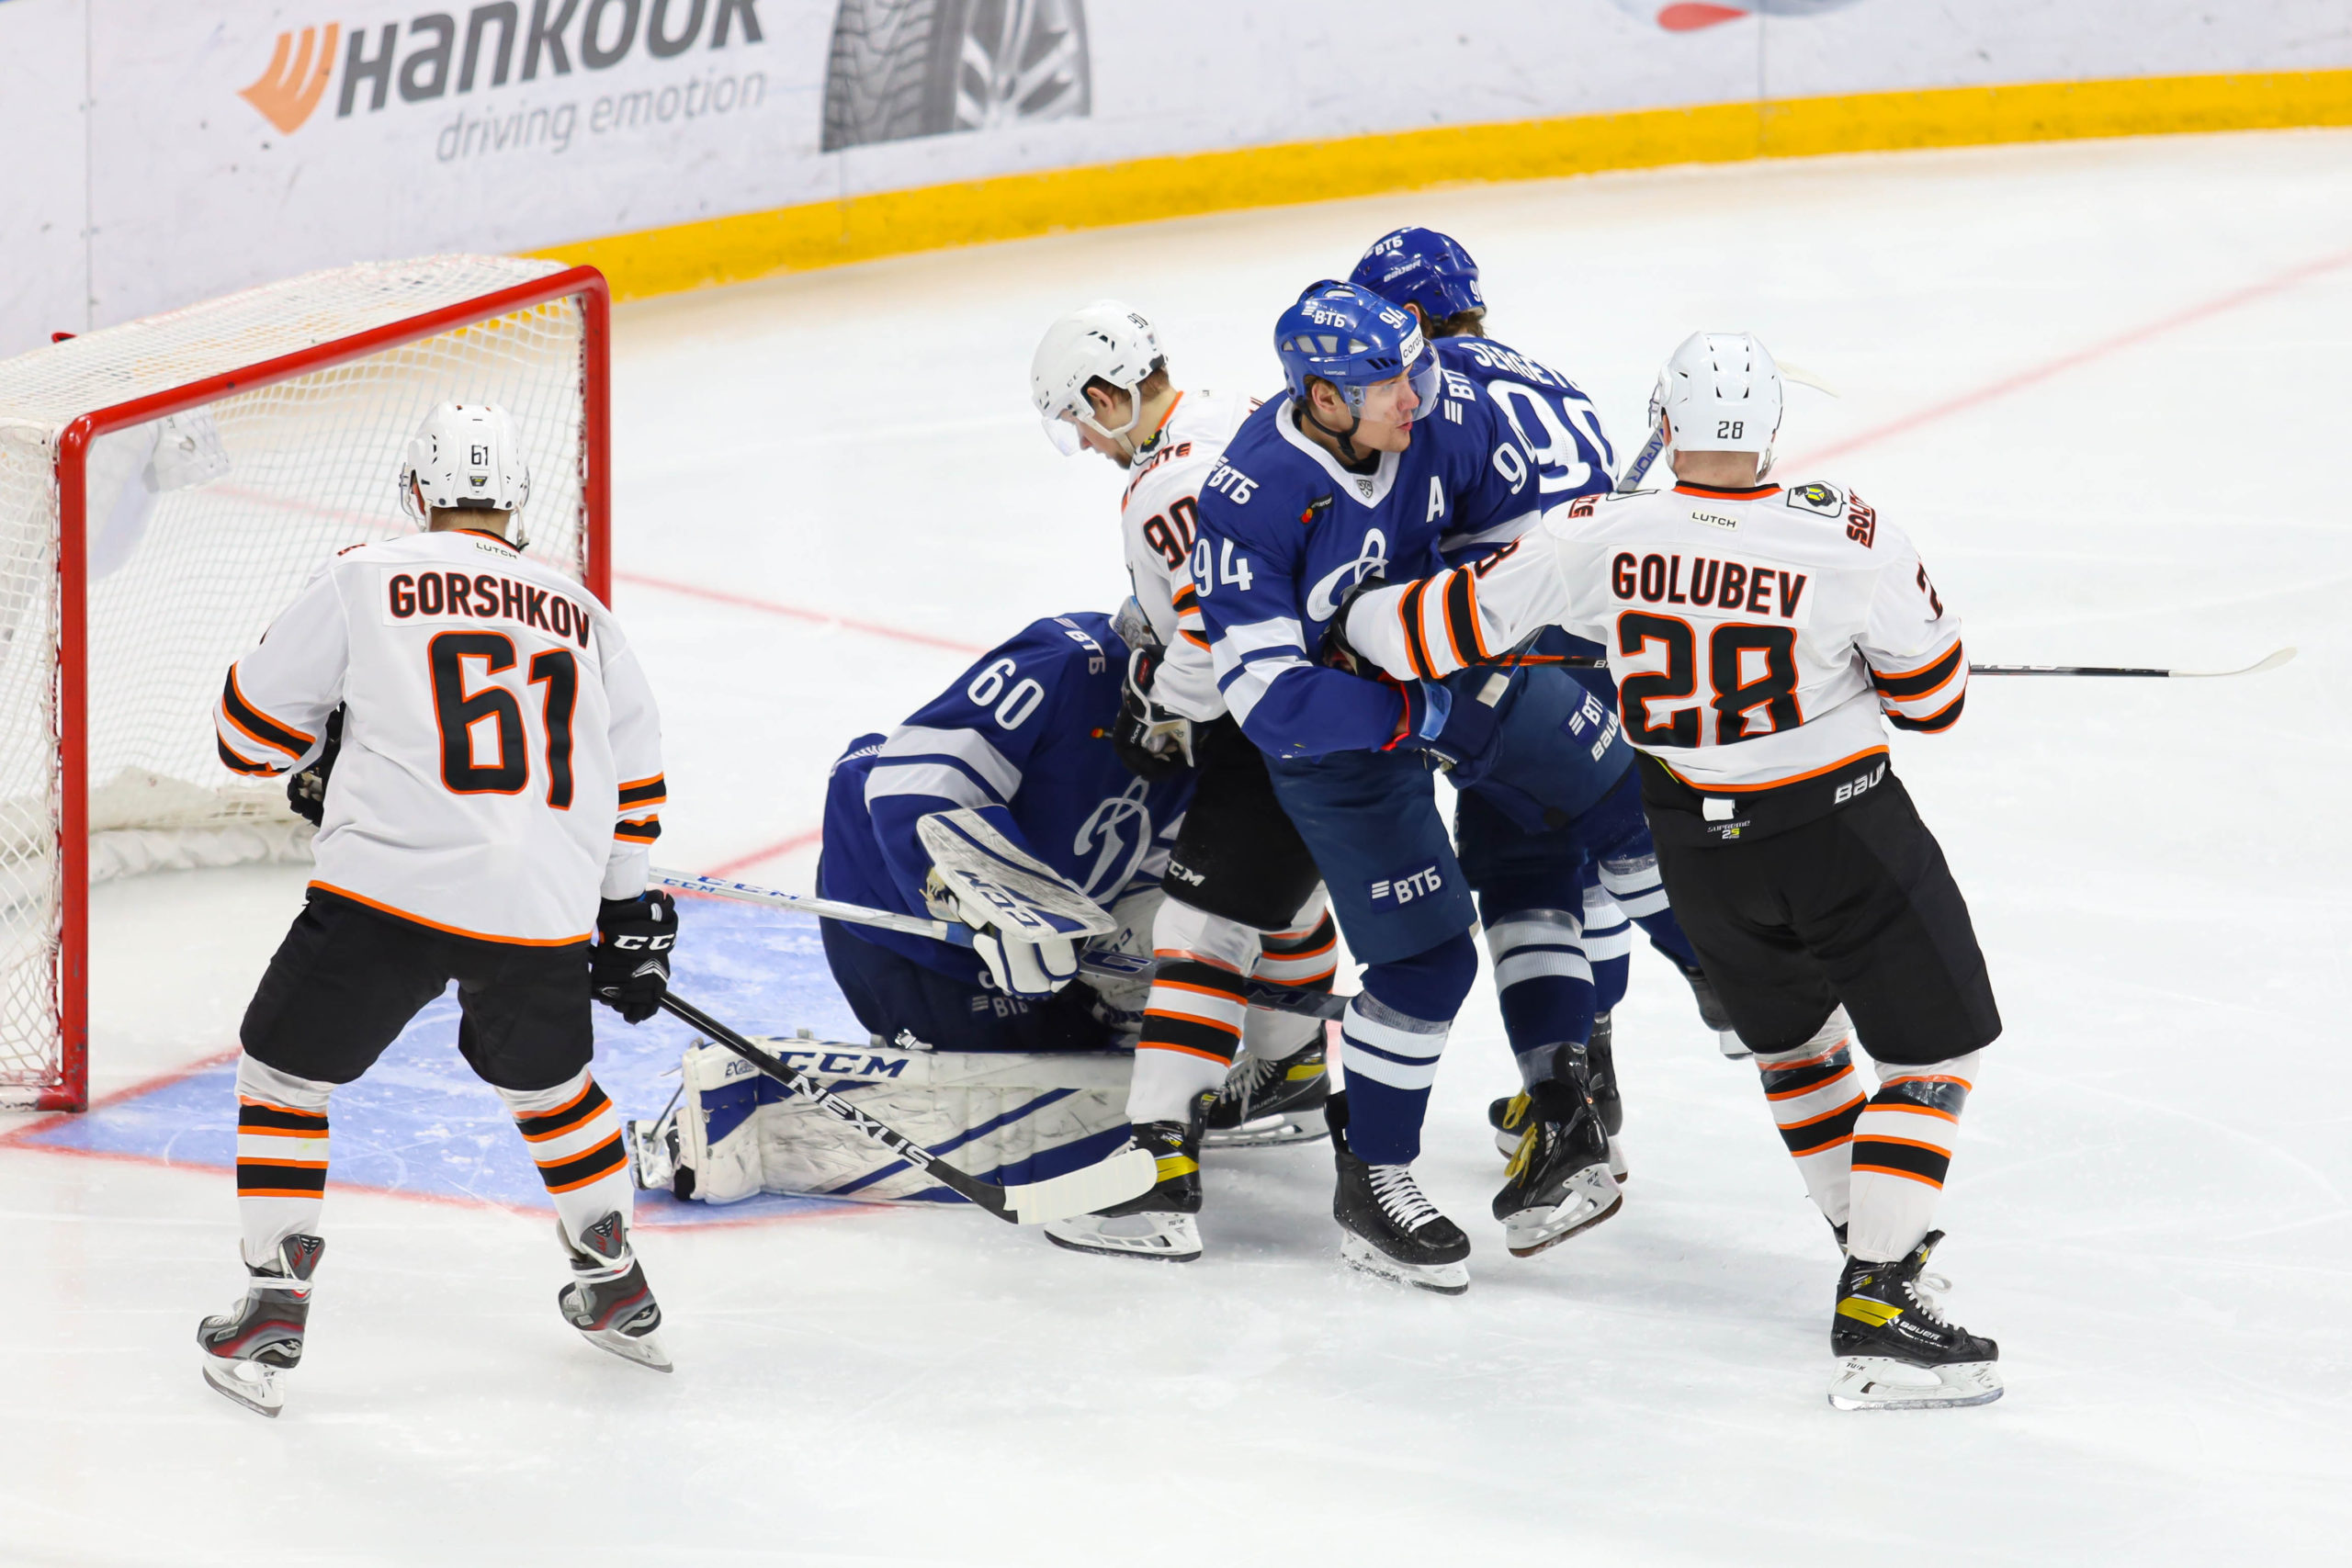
{"x": 629, "y": 966}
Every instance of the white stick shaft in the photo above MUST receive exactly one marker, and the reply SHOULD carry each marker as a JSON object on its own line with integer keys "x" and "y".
{"x": 824, "y": 908}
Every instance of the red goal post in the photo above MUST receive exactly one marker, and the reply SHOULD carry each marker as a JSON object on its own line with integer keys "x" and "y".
{"x": 167, "y": 486}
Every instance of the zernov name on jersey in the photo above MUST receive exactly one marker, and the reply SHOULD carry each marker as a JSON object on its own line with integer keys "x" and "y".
{"x": 1757, "y": 635}
{"x": 1024, "y": 736}
{"x": 1552, "y": 417}
{"x": 1286, "y": 533}
{"x": 501, "y": 764}
{"x": 1160, "y": 522}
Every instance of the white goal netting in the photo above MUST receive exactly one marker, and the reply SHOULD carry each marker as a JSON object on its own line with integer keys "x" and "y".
{"x": 199, "y": 528}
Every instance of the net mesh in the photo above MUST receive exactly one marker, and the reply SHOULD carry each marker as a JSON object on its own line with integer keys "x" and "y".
{"x": 199, "y": 528}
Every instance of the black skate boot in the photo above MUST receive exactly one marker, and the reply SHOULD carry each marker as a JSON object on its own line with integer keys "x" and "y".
{"x": 1265, "y": 1103}
{"x": 247, "y": 1347}
{"x": 1897, "y": 1350}
{"x": 1711, "y": 1011}
{"x": 608, "y": 1300}
{"x": 1160, "y": 1223}
{"x": 1510, "y": 1115}
{"x": 1387, "y": 1227}
{"x": 1557, "y": 1184}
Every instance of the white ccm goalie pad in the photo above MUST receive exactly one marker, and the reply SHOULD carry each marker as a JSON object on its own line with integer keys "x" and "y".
{"x": 1008, "y": 1118}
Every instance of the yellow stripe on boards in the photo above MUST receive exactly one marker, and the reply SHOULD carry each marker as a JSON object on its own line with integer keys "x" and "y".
{"x": 1011, "y": 207}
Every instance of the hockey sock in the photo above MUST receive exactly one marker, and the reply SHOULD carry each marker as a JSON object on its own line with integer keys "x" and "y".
{"x": 1390, "y": 1042}
{"x": 281, "y": 1157}
{"x": 1634, "y": 886}
{"x": 1815, "y": 1100}
{"x": 1901, "y": 1149}
{"x": 1191, "y": 1021}
{"x": 575, "y": 1138}
{"x": 1305, "y": 955}
{"x": 1545, "y": 984}
{"x": 1608, "y": 944}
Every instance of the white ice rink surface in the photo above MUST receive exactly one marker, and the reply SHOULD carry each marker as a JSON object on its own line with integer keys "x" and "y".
{"x": 2103, "y": 384}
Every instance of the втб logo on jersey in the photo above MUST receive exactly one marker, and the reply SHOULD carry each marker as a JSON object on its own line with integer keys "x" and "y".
{"x": 1398, "y": 891}
{"x": 444, "y": 56}
{"x": 1371, "y": 558}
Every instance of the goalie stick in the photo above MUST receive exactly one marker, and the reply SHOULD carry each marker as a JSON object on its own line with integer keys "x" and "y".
{"x": 1130, "y": 1173}
{"x": 1263, "y": 994}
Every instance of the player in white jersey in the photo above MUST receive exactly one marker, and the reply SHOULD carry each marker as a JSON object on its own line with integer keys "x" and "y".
{"x": 481, "y": 754}
{"x": 1244, "y": 897}
{"x": 1760, "y": 635}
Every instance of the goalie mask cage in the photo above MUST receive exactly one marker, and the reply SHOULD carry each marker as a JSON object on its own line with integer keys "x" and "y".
{"x": 166, "y": 487}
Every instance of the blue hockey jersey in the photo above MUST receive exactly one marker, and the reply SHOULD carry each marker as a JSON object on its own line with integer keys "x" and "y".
{"x": 1562, "y": 434}
{"x": 1286, "y": 531}
{"x": 1024, "y": 736}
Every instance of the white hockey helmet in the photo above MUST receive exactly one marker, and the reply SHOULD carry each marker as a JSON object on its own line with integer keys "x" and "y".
{"x": 1720, "y": 392}
{"x": 1106, "y": 341}
{"x": 465, "y": 456}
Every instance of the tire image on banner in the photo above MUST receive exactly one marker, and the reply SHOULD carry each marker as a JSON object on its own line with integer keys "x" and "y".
{"x": 906, "y": 68}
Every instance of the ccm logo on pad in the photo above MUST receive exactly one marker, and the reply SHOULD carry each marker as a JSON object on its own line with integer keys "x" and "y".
{"x": 1398, "y": 891}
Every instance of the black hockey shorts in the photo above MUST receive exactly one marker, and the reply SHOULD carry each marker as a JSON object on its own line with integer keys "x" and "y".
{"x": 347, "y": 980}
{"x": 1857, "y": 907}
{"x": 1238, "y": 856}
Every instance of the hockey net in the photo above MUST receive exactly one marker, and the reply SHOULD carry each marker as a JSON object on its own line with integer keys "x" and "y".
{"x": 166, "y": 487}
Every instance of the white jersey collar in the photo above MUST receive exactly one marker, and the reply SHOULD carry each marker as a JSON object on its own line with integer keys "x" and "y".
{"x": 1367, "y": 489}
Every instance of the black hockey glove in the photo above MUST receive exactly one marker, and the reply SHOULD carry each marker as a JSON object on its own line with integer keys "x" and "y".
{"x": 1459, "y": 733}
{"x": 306, "y": 791}
{"x": 1154, "y": 743}
{"x": 629, "y": 966}
{"x": 1339, "y": 653}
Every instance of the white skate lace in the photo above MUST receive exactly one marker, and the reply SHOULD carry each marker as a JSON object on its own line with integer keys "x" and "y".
{"x": 1244, "y": 1086}
{"x": 1924, "y": 1290}
{"x": 1401, "y": 1197}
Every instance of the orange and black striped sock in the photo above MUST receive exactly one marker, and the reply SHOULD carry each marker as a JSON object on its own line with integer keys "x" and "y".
{"x": 281, "y": 1157}
{"x": 1902, "y": 1152}
{"x": 575, "y": 1135}
{"x": 1816, "y": 1101}
{"x": 1192, "y": 1028}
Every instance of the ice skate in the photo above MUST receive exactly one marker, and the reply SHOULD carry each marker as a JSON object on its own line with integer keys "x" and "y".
{"x": 1896, "y": 1349}
{"x": 1266, "y": 1103}
{"x": 246, "y": 1348}
{"x": 608, "y": 1300}
{"x": 1557, "y": 1184}
{"x": 1713, "y": 1014}
{"x": 1387, "y": 1228}
{"x": 1161, "y": 1224}
{"x": 1510, "y": 1115}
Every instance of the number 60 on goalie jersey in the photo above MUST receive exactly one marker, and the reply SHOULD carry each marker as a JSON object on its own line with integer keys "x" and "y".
{"x": 501, "y": 760}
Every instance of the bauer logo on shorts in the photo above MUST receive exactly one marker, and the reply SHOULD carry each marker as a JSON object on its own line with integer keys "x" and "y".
{"x": 1395, "y": 892}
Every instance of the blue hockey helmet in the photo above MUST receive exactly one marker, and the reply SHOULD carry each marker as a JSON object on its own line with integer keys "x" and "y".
{"x": 1354, "y": 339}
{"x": 1421, "y": 267}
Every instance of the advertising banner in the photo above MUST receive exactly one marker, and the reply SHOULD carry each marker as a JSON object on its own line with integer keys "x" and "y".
{"x": 184, "y": 150}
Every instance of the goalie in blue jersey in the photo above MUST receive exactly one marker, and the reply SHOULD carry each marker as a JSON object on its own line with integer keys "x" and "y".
{"x": 1024, "y": 738}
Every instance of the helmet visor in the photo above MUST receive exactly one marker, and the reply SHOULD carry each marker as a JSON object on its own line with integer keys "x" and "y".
{"x": 1063, "y": 435}
{"x": 1422, "y": 374}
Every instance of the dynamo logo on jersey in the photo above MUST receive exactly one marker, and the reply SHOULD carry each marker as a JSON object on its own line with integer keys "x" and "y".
{"x": 1105, "y": 835}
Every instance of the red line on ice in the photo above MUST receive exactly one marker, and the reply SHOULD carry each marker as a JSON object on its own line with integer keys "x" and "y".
{"x": 2065, "y": 362}
{"x": 781, "y": 847}
{"x": 793, "y": 612}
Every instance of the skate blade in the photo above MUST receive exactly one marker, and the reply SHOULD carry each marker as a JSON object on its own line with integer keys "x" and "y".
{"x": 1591, "y": 1197}
{"x": 1506, "y": 1144}
{"x": 1173, "y": 1238}
{"x": 1877, "y": 1382}
{"x": 1269, "y": 1132}
{"x": 643, "y": 1349}
{"x": 1733, "y": 1048}
{"x": 1445, "y": 1279}
{"x": 248, "y": 1384}
{"x": 1617, "y": 1161}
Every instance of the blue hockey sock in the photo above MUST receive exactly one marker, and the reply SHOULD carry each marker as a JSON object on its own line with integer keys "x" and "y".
{"x": 1390, "y": 1042}
{"x": 1545, "y": 985}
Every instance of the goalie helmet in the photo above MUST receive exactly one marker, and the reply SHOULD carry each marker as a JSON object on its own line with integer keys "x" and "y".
{"x": 464, "y": 456}
{"x": 1107, "y": 342}
{"x": 1720, "y": 392}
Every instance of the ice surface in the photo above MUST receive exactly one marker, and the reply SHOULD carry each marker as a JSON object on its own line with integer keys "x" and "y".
{"x": 2150, "y": 1201}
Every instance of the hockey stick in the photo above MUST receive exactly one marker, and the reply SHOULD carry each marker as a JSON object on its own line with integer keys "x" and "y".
{"x": 1265, "y": 993}
{"x": 2269, "y": 661}
{"x": 1130, "y": 1173}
